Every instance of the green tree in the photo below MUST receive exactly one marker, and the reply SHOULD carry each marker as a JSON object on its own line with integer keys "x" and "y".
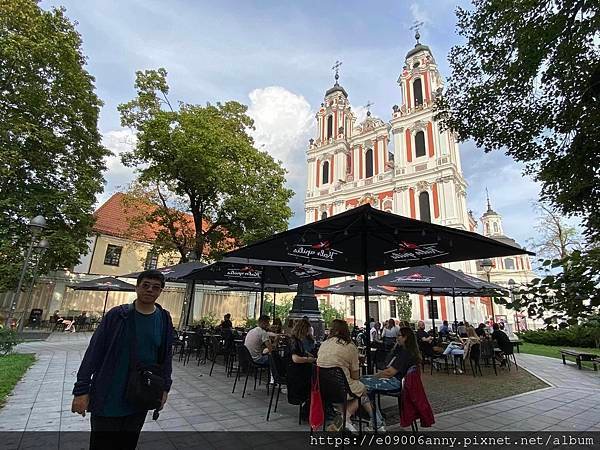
{"x": 51, "y": 157}
{"x": 555, "y": 238}
{"x": 569, "y": 290}
{"x": 329, "y": 313}
{"x": 527, "y": 82}
{"x": 205, "y": 157}
{"x": 404, "y": 307}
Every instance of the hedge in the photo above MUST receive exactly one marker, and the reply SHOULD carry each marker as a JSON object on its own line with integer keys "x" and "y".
{"x": 574, "y": 336}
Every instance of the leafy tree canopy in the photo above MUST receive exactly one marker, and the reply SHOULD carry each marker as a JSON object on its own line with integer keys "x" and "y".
{"x": 51, "y": 157}
{"x": 527, "y": 81}
{"x": 205, "y": 157}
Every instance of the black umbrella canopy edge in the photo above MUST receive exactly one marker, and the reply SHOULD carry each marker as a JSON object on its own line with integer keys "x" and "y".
{"x": 102, "y": 284}
{"x": 367, "y": 212}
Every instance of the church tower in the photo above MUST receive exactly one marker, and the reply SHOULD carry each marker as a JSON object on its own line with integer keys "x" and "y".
{"x": 426, "y": 159}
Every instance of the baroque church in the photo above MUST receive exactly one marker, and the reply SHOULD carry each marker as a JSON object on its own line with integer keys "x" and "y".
{"x": 408, "y": 166}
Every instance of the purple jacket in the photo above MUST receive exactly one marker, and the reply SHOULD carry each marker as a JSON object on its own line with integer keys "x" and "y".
{"x": 98, "y": 364}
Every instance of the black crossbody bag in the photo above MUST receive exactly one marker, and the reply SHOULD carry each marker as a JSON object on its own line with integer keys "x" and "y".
{"x": 145, "y": 383}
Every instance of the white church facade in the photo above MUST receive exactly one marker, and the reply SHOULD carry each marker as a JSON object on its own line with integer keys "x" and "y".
{"x": 408, "y": 166}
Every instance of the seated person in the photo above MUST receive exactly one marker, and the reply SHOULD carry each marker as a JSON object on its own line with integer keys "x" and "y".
{"x": 339, "y": 351}
{"x": 226, "y": 323}
{"x": 424, "y": 340}
{"x": 258, "y": 342}
{"x": 277, "y": 326}
{"x": 444, "y": 329}
{"x": 404, "y": 355}
{"x": 309, "y": 340}
{"x": 503, "y": 343}
{"x": 299, "y": 371}
{"x": 480, "y": 331}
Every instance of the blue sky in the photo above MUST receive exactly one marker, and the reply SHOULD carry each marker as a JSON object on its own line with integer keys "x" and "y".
{"x": 276, "y": 57}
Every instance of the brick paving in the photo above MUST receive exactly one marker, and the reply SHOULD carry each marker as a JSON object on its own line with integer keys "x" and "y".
{"x": 42, "y": 399}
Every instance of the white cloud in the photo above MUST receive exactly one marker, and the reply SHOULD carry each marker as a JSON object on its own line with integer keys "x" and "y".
{"x": 117, "y": 175}
{"x": 284, "y": 123}
{"x": 418, "y": 14}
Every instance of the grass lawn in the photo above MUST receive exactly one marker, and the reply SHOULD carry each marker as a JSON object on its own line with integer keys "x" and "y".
{"x": 554, "y": 352}
{"x": 12, "y": 368}
{"x": 449, "y": 392}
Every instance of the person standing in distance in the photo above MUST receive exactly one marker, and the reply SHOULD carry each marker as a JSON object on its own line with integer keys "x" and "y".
{"x": 102, "y": 379}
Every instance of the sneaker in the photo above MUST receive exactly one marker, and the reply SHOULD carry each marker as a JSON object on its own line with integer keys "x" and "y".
{"x": 351, "y": 428}
{"x": 336, "y": 425}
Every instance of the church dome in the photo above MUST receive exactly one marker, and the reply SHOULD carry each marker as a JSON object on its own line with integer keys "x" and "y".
{"x": 336, "y": 88}
{"x": 418, "y": 48}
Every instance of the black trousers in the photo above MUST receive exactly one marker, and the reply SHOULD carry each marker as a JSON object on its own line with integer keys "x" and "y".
{"x": 116, "y": 432}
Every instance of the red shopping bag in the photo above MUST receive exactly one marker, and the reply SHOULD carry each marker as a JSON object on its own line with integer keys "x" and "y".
{"x": 316, "y": 415}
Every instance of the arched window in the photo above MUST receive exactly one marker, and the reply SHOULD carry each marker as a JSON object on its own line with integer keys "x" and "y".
{"x": 495, "y": 227}
{"x": 369, "y": 163}
{"x": 326, "y": 172}
{"x": 420, "y": 144}
{"x": 418, "y": 92}
{"x": 509, "y": 264}
{"x": 329, "y": 127}
{"x": 424, "y": 208}
{"x": 349, "y": 163}
{"x": 324, "y": 215}
{"x": 487, "y": 228}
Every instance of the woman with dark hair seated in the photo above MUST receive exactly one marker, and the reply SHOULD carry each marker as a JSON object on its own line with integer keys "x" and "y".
{"x": 299, "y": 371}
{"x": 403, "y": 356}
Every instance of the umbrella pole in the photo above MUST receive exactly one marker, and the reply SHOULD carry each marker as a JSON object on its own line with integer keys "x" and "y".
{"x": 433, "y": 311}
{"x": 354, "y": 308}
{"x": 454, "y": 308}
{"x": 190, "y": 304}
{"x": 262, "y": 291}
{"x": 462, "y": 299}
{"x": 105, "y": 302}
{"x": 366, "y": 292}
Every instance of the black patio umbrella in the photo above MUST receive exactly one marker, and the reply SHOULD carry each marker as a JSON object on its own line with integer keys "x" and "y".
{"x": 353, "y": 288}
{"x": 175, "y": 274}
{"x": 263, "y": 272}
{"x": 365, "y": 239}
{"x": 437, "y": 280}
{"x": 103, "y": 284}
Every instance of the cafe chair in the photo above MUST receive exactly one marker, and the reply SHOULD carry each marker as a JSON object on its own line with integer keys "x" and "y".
{"x": 335, "y": 389}
{"x": 278, "y": 372}
{"x": 245, "y": 361}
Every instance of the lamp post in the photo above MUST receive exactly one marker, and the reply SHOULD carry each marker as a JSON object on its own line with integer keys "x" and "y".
{"x": 36, "y": 225}
{"x": 487, "y": 265}
{"x": 40, "y": 249}
{"x": 511, "y": 288}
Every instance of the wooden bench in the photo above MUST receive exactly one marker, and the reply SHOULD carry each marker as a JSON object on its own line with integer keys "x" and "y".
{"x": 579, "y": 357}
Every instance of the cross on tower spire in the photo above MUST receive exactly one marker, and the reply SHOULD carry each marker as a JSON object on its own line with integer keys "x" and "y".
{"x": 416, "y": 27}
{"x": 368, "y": 106}
{"x": 487, "y": 194}
{"x": 336, "y": 68}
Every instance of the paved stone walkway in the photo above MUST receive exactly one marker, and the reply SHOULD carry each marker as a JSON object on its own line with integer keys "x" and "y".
{"x": 42, "y": 400}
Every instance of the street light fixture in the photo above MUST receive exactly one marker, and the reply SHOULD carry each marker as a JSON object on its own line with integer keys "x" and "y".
{"x": 36, "y": 225}
{"x": 487, "y": 265}
{"x": 40, "y": 249}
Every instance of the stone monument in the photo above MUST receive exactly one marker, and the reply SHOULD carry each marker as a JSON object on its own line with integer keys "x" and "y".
{"x": 306, "y": 304}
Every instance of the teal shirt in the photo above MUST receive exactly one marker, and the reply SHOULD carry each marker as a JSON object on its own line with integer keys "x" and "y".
{"x": 149, "y": 330}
